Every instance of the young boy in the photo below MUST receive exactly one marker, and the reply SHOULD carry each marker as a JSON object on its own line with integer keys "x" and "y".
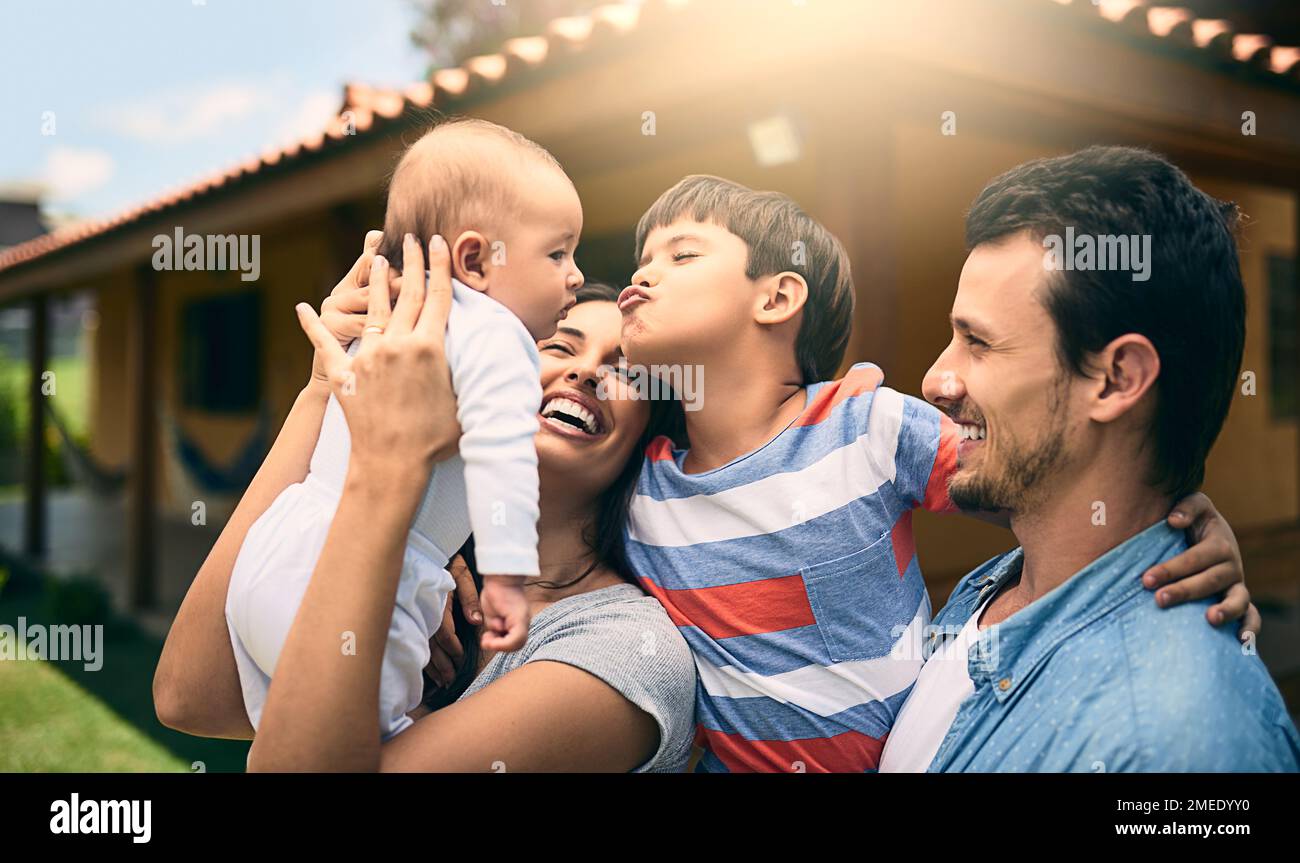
{"x": 781, "y": 541}
{"x": 512, "y": 220}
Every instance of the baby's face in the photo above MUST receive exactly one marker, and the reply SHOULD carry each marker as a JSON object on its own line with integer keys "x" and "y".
{"x": 539, "y": 277}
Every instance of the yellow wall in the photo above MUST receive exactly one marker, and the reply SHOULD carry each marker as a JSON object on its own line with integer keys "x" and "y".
{"x": 1252, "y": 471}
{"x": 297, "y": 263}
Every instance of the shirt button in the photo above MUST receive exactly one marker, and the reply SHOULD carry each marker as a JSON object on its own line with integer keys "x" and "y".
{"x": 1004, "y": 684}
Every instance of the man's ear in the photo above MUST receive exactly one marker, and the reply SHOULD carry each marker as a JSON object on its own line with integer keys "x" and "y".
{"x": 469, "y": 260}
{"x": 1125, "y": 371}
{"x": 783, "y": 296}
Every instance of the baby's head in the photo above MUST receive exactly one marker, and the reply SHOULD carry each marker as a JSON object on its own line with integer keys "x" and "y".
{"x": 507, "y": 210}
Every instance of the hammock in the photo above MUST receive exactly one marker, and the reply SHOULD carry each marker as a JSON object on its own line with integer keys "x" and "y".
{"x": 82, "y": 466}
{"x": 232, "y": 477}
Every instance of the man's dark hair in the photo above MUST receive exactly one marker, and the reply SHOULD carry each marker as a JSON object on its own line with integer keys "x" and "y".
{"x": 770, "y": 224}
{"x": 1192, "y": 308}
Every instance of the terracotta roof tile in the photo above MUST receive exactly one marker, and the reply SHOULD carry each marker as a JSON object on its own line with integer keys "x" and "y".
{"x": 1162, "y": 20}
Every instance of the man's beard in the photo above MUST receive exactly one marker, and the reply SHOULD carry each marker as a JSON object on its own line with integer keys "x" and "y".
{"x": 1016, "y": 482}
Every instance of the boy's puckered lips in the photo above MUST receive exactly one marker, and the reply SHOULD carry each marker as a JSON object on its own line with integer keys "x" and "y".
{"x": 631, "y": 297}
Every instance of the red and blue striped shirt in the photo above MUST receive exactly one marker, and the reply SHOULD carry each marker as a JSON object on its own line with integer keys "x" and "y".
{"x": 791, "y": 572}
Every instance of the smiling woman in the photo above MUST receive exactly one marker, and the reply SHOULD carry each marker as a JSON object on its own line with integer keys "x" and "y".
{"x": 604, "y": 680}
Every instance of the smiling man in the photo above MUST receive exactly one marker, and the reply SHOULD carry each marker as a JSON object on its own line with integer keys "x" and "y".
{"x": 1088, "y": 401}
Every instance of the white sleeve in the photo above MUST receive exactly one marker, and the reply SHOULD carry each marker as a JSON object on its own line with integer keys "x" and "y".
{"x": 495, "y": 372}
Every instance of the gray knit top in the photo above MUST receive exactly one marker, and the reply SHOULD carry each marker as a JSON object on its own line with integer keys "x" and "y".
{"x": 626, "y": 639}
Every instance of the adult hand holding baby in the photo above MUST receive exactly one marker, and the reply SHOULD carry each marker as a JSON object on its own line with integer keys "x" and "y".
{"x": 396, "y": 391}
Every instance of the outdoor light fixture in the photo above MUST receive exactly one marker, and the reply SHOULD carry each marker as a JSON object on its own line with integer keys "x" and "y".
{"x": 775, "y": 140}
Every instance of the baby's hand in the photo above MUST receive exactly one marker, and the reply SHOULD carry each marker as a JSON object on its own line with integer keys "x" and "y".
{"x": 505, "y": 613}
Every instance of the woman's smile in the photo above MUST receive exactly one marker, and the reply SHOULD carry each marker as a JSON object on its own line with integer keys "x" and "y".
{"x": 575, "y": 415}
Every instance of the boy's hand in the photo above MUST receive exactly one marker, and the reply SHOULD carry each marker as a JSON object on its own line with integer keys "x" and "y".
{"x": 505, "y": 613}
{"x": 1210, "y": 566}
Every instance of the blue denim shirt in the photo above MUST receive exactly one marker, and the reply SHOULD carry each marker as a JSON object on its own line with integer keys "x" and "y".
{"x": 1095, "y": 677}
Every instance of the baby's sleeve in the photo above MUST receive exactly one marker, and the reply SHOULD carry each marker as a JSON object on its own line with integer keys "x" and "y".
{"x": 495, "y": 373}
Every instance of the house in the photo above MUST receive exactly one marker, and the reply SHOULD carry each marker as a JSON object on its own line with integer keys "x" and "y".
{"x": 883, "y": 120}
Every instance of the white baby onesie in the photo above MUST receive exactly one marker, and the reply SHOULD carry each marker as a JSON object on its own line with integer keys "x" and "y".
{"x": 489, "y": 488}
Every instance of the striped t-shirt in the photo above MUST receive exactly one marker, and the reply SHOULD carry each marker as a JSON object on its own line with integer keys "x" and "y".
{"x": 791, "y": 573}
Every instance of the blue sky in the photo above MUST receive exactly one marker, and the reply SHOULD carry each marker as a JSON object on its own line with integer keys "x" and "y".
{"x": 149, "y": 94}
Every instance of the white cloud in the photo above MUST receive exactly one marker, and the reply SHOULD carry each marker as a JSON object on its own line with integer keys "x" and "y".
{"x": 70, "y": 172}
{"x": 185, "y": 115}
{"x": 310, "y": 117}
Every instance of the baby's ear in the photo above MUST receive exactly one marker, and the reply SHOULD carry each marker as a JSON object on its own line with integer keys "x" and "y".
{"x": 470, "y": 260}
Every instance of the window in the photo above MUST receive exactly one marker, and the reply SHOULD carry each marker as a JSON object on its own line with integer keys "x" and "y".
{"x": 221, "y": 357}
{"x": 1282, "y": 336}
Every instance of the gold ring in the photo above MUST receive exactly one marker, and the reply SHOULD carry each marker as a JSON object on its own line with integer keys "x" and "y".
{"x": 373, "y": 328}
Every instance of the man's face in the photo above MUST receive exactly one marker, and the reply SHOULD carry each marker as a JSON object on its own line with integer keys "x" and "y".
{"x": 1001, "y": 380}
{"x": 689, "y": 297}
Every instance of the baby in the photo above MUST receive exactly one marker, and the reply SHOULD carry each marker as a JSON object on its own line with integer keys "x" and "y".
{"x": 511, "y": 218}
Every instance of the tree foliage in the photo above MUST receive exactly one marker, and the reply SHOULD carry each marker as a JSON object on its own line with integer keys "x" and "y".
{"x": 454, "y": 30}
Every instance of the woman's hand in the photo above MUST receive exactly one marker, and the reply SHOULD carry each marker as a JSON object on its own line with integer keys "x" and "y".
{"x": 396, "y": 391}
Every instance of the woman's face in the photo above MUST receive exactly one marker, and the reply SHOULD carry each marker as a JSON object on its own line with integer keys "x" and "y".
{"x": 585, "y": 440}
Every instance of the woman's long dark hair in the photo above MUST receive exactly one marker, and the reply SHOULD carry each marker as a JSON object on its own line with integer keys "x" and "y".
{"x": 605, "y": 535}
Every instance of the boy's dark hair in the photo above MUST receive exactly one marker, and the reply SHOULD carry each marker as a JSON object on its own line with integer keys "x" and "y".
{"x": 1192, "y": 308}
{"x": 771, "y": 224}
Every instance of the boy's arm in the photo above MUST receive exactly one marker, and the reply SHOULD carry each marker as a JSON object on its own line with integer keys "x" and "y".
{"x": 1212, "y": 565}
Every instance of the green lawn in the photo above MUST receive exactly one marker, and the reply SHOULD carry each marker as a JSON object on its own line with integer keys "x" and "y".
{"x": 48, "y": 724}
{"x": 57, "y": 716}
{"x": 71, "y": 400}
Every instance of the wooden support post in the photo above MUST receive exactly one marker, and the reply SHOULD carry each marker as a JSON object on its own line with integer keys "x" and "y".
{"x": 1295, "y": 288}
{"x": 34, "y": 541}
{"x": 141, "y": 551}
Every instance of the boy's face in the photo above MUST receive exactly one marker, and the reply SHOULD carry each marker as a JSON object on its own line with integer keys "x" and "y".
{"x": 533, "y": 272}
{"x": 689, "y": 297}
